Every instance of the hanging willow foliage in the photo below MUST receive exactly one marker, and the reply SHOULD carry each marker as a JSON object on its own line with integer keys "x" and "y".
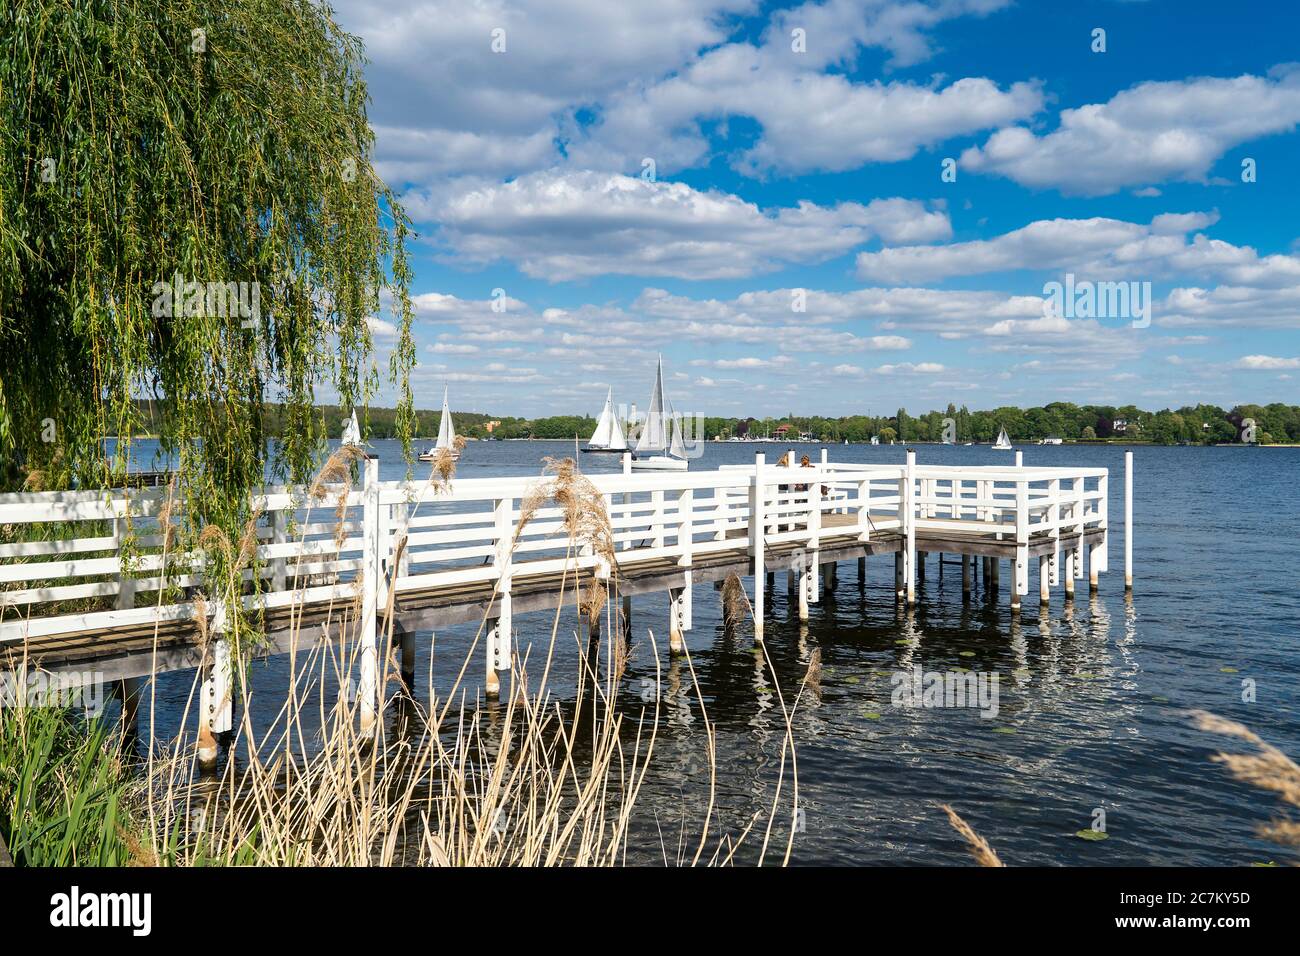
{"x": 147, "y": 144}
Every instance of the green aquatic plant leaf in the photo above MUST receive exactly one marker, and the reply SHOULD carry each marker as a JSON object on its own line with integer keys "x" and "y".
{"x": 1092, "y": 835}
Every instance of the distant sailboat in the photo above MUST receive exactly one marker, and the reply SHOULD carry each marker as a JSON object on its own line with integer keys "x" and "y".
{"x": 608, "y": 436}
{"x": 1003, "y": 443}
{"x": 352, "y": 431}
{"x": 446, "y": 435}
{"x": 660, "y": 447}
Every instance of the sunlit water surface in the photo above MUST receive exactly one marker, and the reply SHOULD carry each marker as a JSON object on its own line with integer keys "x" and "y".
{"x": 1092, "y": 699}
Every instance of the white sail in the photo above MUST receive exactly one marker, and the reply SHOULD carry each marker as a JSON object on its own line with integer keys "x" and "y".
{"x": 675, "y": 447}
{"x": 1003, "y": 441}
{"x": 603, "y": 434}
{"x": 446, "y": 430}
{"x": 352, "y": 431}
{"x": 617, "y": 440}
{"x": 654, "y": 431}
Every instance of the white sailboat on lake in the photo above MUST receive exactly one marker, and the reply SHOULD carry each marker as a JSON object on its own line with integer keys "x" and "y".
{"x": 446, "y": 435}
{"x": 1003, "y": 443}
{"x": 660, "y": 447}
{"x": 352, "y": 431}
{"x": 608, "y": 436}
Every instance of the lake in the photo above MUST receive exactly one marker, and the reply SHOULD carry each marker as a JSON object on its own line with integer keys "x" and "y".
{"x": 1092, "y": 700}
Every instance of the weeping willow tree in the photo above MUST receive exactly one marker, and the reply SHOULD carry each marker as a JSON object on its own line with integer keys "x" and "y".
{"x": 188, "y": 214}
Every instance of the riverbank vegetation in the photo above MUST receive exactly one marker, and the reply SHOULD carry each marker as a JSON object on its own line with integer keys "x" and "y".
{"x": 1193, "y": 424}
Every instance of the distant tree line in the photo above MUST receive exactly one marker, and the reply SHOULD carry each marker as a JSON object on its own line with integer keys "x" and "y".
{"x": 1194, "y": 424}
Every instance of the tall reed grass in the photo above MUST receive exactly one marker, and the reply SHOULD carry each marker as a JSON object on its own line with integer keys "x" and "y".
{"x": 543, "y": 777}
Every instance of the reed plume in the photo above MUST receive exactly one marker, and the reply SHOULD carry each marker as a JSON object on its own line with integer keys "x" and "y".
{"x": 979, "y": 847}
{"x": 1269, "y": 769}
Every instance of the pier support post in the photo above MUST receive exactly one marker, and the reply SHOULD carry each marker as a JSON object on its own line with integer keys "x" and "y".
{"x": 368, "y": 689}
{"x": 1020, "y": 583}
{"x": 862, "y": 571}
{"x": 1044, "y": 580}
{"x": 627, "y": 545}
{"x": 899, "y": 592}
{"x": 965, "y": 578}
{"x": 129, "y": 690}
{"x": 679, "y": 616}
{"x": 501, "y": 626}
{"x": 806, "y": 586}
{"x": 1098, "y": 550}
{"x": 1128, "y": 521}
{"x": 920, "y": 566}
{"x": 757, "y": 493}
{"x": 491, "y": 682}
{"x": 215, "y": 694}
{"x": 406, "y": 642}
{"x": 909, "y": 518}
{"x": 1071, "y": 557}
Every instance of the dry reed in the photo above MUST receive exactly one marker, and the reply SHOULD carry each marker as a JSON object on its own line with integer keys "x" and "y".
{"x": 531, "y": 781}
{"x": 1269, "y": 769}
{"x": 979, "y": 847}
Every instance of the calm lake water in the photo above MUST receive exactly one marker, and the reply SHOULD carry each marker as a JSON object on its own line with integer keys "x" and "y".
{"x": 1092, "y": 702}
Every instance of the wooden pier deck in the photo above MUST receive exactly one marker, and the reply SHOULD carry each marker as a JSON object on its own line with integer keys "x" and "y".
{"x": 443, "y": 556}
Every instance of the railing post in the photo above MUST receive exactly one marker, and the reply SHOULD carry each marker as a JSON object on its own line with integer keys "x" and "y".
{"x": 500, "y": 627}
{"x": 657, "y": 517}
{"x": 908, "y": 506}
{"x": 367, "y": 631}
{"x": 1103, "y": 556}
{"x": 279, "y": 535}
{"x": 864, "y": 510}
{"x": 1054, "y": 521}
{"x": 814, "y": 539}
{"x": 1020, "y": 586}
{"x": 125, "y": 582}
{"x": 757, "y": 494}
{"x": 1128, "y": 521}
{"x": 679, "y": 599}
{"x": 1080, "y": 523}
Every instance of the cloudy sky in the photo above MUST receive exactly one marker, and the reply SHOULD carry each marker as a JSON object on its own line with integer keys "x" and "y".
{"x": 759, "y": 192}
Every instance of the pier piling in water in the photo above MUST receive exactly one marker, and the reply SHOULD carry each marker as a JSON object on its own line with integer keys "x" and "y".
{"x": 1128, "y": 521}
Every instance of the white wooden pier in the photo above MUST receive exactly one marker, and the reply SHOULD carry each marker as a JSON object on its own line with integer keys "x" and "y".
{"x": 465, "y": 559}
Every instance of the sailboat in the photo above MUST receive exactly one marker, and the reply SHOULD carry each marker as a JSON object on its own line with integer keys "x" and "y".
{"x": 352, "y": 431}
{"x": 608, "y": 436}
{"x": 446, "y": 435}
{"x": 1003, "y": 443}
{"x": 660, "y": 447}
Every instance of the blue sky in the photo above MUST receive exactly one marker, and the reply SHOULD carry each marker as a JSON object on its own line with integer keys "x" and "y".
{"x": 679, "y": 177}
